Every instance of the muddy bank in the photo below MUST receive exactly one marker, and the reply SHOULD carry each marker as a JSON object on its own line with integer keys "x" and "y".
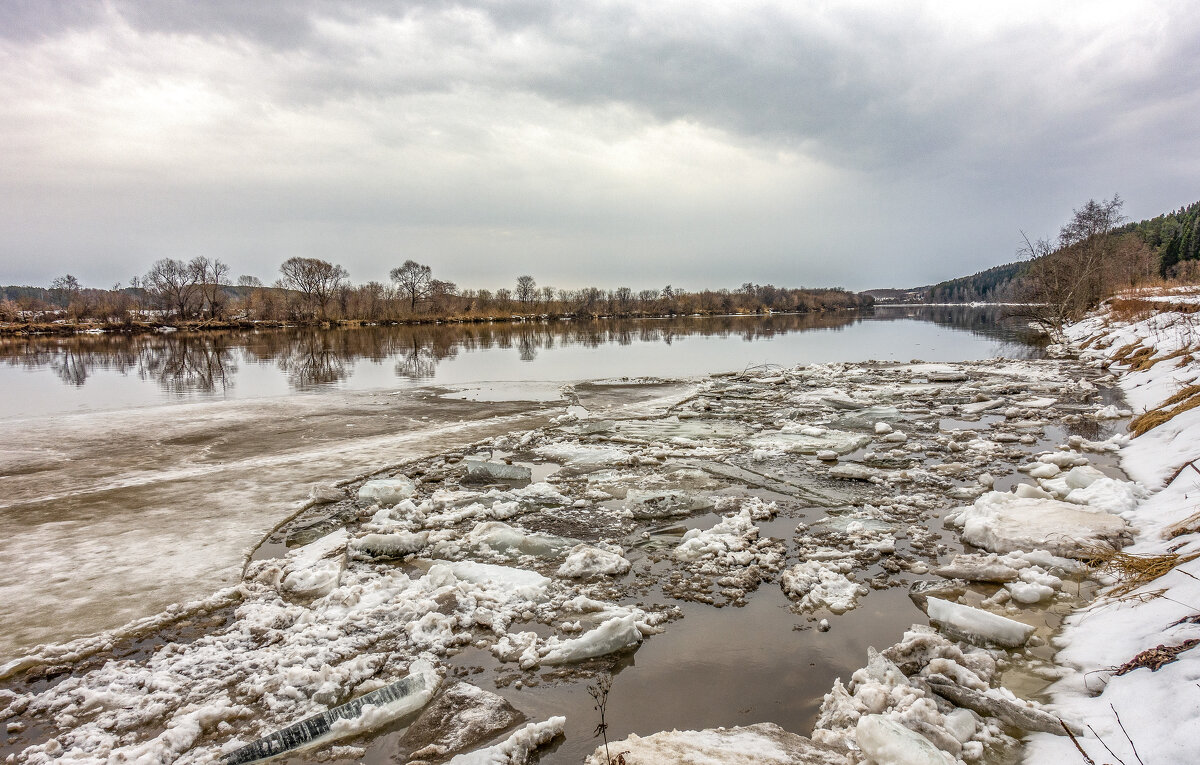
{"x": 532, "y": 564}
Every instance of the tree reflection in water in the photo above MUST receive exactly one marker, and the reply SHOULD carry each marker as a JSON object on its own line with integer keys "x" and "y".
{"x": 186, "y": 363}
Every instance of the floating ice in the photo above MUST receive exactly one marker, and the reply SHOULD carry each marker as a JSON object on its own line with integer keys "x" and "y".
{"x": 1001, "y": 704}
{"x": 478, "y": 470}
{"x": 461, "y": 716}
{"x": 851, "y": 471}
{"x": 664, "y": 504}
{"x": 977, "y": 568}
{"x": 616, "y": 634}
{"x": 386, "y": 491}
{"x": 585, "y": 561}
{"x": 888, "y": 742}
{"x": 760, "y": 744}
{"x": 504, "y": 539}
{"x": 977, "y": 626}
{"x": 388, "y": 546}
{"x": 839, "y": 441}
{"x": 1002, "y": 522}
{"x": 517, "y": 748}
{"x": 820, "y": 584}
{"x": 364, "y": 713}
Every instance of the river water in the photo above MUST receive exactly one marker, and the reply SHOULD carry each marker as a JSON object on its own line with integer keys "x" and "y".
{"x": 54, "y": 376}
{"x": 141, "y": 471}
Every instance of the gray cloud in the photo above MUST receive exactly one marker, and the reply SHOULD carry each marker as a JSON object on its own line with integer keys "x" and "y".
{"x": 589, "y": 142}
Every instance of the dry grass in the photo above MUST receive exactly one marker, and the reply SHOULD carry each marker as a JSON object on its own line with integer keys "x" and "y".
{"x": 1145, "y": 363}
{"x": 1183, "y": 400}
{"x": 1131, "y": 571}
{"x": 1119, "y": 355}
{"x": 1132, "y": 309}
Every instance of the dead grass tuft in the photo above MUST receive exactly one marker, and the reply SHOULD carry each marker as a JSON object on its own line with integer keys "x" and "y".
{"x": 1119, "y": 355}
{"x": 1132, "y": 309}
{"x": 1185, "y": 399}
{"x": 1131, "y": 571}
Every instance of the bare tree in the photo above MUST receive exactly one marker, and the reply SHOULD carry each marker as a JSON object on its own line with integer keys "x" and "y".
{"x": 526, "y": 290}
{"x": 414, "y": 281}
{"x": 211, "y": 277}
{"x": 1091, "y": 261}
{"x": 316, "y": 280}
{"x": 172, "y": 283}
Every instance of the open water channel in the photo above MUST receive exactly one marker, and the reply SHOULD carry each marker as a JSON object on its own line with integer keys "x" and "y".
{"x": 144, "y": 471}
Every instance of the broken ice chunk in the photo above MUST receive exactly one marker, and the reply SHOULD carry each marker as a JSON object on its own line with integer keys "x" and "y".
{"x": 977, "y": 626}
{"x": 839, "y": 441}
{"x": 314, "y": 580}
{"x": 364, "y": 713}
{"x": 517, "y": 748}
{"x": 461, "y": 716}
{"x": 1001, "y": 704}
{"x": 850, "y": 471}
{"x": 585, "y": 561}
{"x": 1004, "y": 523}
{"x": 388, "y": 546}
{"x": 977, "y": 568}
{"x": 386, "y": 491}
{"x": 887, "y": 742}
{"x": 479, "y": 470}
{"x": 616, "y": 634}
{"x": 505, "y": 539}
{"x": 822, "y": 584}
{"x": 663, "y": 504}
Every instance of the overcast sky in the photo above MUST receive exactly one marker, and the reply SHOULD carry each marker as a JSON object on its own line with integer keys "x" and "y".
{"x": 615, "y": 143}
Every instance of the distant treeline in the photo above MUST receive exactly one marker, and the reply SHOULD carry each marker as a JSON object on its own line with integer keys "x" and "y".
{"x": 1166, "y": 247}
{"x": 310, "y": 290}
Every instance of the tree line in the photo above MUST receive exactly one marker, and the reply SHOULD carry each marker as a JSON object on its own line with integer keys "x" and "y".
{"x": 1096, "y": 254}
{"x": 312, "y": 290}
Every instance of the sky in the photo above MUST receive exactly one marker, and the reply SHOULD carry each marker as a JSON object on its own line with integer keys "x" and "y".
{"x": 591, "y": 142}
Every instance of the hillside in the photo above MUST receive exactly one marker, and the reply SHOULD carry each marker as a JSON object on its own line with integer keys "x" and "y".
{"x": 1173, "y": 238}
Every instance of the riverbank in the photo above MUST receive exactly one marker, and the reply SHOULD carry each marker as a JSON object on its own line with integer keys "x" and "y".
{"x": 804, "y": 502}
{"x": 66, "y": 329}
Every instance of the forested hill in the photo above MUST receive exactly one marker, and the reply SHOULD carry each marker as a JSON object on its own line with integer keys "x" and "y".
{"x": 999, "y": 284}
{"x": 1174, "y": 239}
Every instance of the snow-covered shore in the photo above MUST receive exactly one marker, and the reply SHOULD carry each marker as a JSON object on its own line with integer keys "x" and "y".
{"x": 1151, "y": 351}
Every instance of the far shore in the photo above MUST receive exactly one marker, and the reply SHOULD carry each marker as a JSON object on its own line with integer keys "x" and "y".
{"x": 67, "y": 328}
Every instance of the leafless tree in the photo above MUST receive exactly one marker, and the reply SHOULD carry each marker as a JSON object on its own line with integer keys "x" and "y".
{"x": 172, "y": 283}
{"x": 316, "y": 280}
{"x": 526, "y": 290}
{"x": 211, "y": 277}
{"x": 1091, "y": 261}
{"x": 413, "y": 280}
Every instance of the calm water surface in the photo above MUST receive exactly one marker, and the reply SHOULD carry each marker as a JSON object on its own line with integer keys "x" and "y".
{"x": 50, "y": 375}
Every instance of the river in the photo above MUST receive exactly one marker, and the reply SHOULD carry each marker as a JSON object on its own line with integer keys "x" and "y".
{"x": 141, "y": 471}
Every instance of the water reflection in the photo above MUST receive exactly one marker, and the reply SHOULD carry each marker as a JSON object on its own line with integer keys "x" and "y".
{"x": 186, "y": 363}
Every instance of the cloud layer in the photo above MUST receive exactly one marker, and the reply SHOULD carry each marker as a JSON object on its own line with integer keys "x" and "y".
{"x": 614, "y": 143}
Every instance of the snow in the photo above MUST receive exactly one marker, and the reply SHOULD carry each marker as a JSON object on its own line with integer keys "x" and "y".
{"x": 616, "y": 634}
{"x": 1153, "y": 706}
